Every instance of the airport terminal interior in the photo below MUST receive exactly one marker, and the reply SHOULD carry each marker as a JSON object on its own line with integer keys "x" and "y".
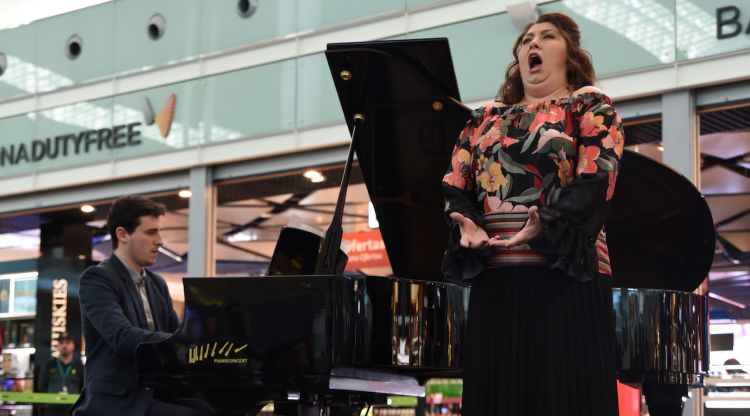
{"x": 238, "y": 117}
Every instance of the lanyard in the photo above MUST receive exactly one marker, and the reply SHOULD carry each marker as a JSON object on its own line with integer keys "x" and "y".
{"x": 64, "y": 374}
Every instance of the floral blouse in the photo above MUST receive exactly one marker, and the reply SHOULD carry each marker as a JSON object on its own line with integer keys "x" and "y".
{"x": 561, "y": 155}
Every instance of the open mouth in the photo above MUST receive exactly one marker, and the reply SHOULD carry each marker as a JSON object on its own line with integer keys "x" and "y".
{"x": 535, "y": 61}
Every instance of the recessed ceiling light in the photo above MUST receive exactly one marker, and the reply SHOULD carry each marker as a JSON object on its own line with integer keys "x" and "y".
{"x": 87, "y": 209}
{"x": 185, "y": 193}
{"x": 314, "y": 176}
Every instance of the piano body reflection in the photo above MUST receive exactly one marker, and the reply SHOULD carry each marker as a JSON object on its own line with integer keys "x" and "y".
{"x": 329, "y": 343}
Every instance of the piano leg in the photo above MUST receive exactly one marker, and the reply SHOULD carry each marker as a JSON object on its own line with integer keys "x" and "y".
{"x": 665, "y": 399}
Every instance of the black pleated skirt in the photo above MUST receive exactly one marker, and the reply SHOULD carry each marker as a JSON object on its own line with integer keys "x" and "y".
{"x": 539, "y": 343}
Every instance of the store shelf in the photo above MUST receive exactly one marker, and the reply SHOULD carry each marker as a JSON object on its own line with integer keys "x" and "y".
{"x": 17, "y": 316}
{"x": 728, "y": 382}
{"x": 727, "y": 394}
{"x": 20, "y": 350}
{"x": 48, "y": 398}
{"x": 402, "y": 401}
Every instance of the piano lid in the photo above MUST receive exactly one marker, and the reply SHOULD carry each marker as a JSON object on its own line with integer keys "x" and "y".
{"x": 408, "y": 94}
{"x": 660, "y": 231}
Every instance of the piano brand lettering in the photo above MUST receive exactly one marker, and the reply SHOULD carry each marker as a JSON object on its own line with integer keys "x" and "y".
{"x": 728, "y": 23}
{"x": 84, "y": 142}
{"x": 59, "y": 312}
{"x": 217, "y": 352}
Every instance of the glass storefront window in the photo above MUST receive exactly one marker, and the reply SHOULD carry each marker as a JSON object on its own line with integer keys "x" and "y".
{"x": 252, "y": 212}
{"x": 18, "y": 293}
{"x": 4, "y": 295}
{"x": 24, "y": 299}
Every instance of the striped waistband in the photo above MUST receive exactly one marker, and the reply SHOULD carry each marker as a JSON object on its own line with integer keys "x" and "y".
{"x": 505, "y": 226}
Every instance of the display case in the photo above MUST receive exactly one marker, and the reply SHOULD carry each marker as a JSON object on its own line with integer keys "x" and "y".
{"x": 17, "y": 313}
{"x": 444, "y": 396}
{"x": 727, "y": 391}
{"x": 38, "y": 302}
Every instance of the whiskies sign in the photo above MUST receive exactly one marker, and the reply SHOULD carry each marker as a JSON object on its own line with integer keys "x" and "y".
{"x": 57, "y": 307}
{"x": 59, "y": 318}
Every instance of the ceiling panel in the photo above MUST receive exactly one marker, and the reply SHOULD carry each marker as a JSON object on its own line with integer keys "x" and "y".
{"x": 356, "y": 193}
{"x": 723, "y": 208}
{"x": 725, "y": 120}
{"x": 653, "y": 150}
{"x": 642, "y": 131}
{"x": 240, "y": 215}
{"x": 718, "y": 180}
{"x": 726, "y": 145}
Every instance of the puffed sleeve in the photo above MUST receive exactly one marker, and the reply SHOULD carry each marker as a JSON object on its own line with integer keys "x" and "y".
{"x": 576, "y": 214}
{"x": 461, "y": 264}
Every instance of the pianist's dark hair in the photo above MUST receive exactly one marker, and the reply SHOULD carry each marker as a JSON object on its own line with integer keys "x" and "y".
{"x": 127, "y": 211}
{"x": 580, "y": 71}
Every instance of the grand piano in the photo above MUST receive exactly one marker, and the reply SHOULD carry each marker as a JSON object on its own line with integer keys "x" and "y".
{"x": 323, "y": 343}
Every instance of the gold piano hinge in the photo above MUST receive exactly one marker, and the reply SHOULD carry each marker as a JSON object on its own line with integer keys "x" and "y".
{"x": 345, "y": 75}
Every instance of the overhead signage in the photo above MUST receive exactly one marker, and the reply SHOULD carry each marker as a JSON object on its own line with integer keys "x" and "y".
{"x": 83, "y": 142}
{"x": 366, "y": 250}
{"x": 88, "y": 141}
{"x": 729, "y": 22}
{"x": 59, "y": 318}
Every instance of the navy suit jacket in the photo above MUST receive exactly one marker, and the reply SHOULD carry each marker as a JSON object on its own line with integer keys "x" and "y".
{"x": 114, "y": 323}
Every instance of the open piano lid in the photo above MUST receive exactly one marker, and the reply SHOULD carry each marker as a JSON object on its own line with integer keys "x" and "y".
{"x": 660, "y": 232}
{"x": 408, "y": 94}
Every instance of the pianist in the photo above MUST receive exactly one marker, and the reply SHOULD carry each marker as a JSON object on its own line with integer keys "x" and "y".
{"x": 527, "y": 193}
{"x": 124, "y": 304}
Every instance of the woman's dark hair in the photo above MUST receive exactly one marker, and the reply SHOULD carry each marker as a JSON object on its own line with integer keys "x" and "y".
{"x": 127, "y": 211}
{"x": 580, "y": 71}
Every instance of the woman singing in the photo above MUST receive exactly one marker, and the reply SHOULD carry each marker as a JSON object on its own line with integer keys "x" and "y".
{"x": 527, "y": 193}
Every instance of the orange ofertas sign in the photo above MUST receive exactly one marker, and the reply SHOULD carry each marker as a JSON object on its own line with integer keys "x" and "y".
{"x": 366, "y": 249}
